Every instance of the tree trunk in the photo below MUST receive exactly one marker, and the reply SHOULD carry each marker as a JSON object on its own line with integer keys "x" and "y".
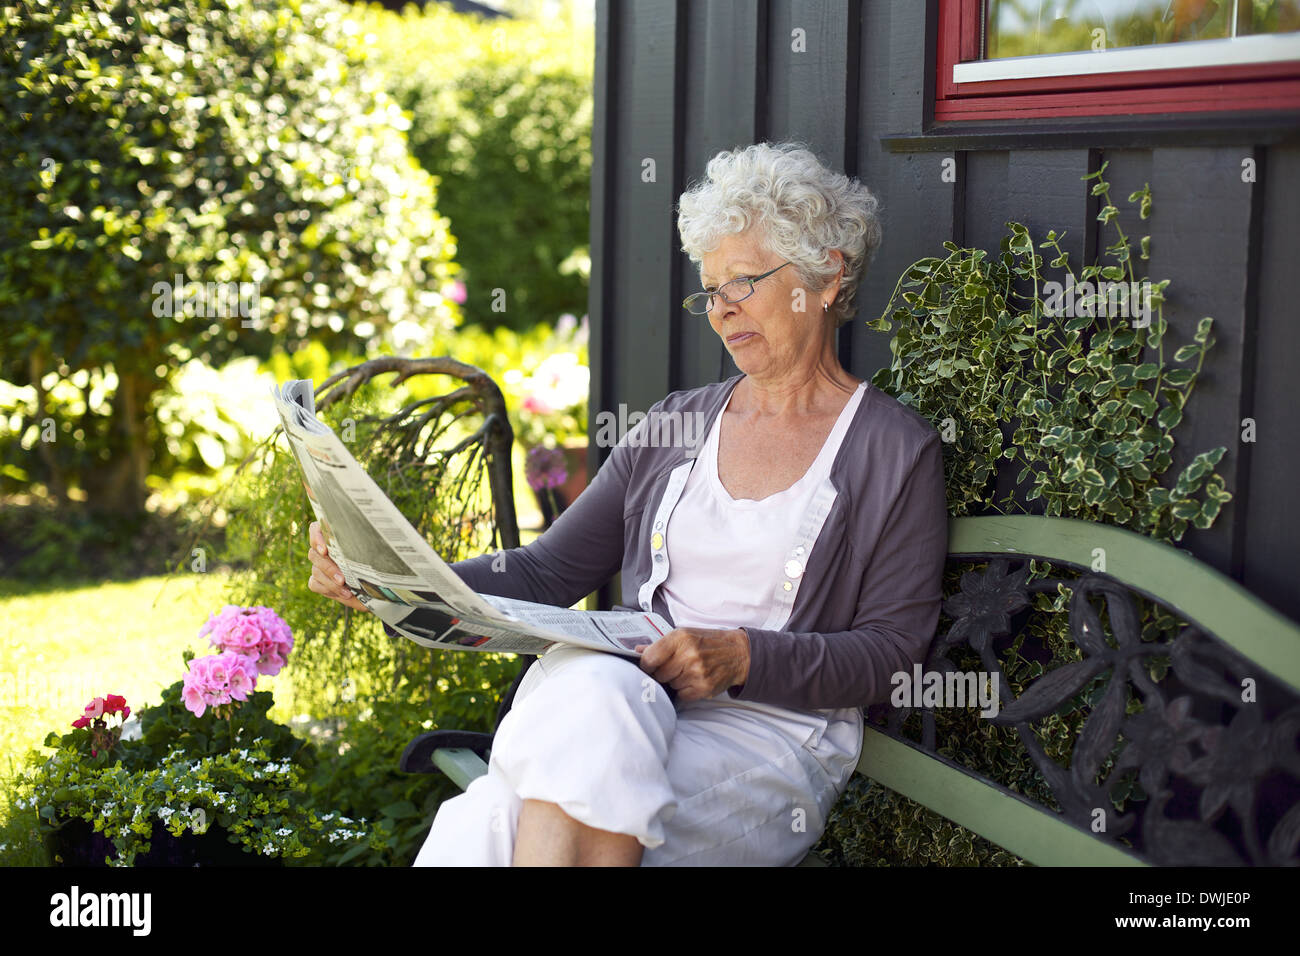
{"x": 120, "y": 486}
{"x": 57, "y": 483}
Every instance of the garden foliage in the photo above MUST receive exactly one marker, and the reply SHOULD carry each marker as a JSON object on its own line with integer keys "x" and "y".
{"x": 1085, "y": 407}
{"x": 501, "y": 114}
{"x": 236, "y": 771}
{"x": 221, "y": 141}
{"x": 371, "y": 693}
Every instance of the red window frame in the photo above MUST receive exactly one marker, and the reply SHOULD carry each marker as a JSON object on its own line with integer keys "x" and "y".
{"x": 1245, "y": 87}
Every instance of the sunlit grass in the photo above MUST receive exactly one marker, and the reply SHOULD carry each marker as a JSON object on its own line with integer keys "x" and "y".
{"x": 60, "y": 646}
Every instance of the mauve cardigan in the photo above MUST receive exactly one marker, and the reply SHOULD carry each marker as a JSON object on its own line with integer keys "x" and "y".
{"x": 867, "y": 601}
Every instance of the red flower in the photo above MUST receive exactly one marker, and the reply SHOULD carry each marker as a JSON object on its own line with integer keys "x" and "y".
{"x": 113, "y": 703}
{"x": 81, "y": 722}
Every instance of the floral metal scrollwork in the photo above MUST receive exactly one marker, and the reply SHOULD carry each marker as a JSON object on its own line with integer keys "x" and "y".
{"x": 1219, "y": 765}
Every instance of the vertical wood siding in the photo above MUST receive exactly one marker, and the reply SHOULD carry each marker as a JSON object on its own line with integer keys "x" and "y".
{"x": 678, "y": 81}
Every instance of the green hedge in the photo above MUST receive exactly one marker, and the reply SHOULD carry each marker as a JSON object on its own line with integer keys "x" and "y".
{"x": 224, "y": 141}
{"x": 501, "y": 114}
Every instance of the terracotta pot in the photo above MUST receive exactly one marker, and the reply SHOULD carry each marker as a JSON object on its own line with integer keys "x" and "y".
{"x": 575, "y": 463}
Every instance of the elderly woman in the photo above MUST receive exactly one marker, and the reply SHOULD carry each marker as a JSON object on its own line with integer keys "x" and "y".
{"x": 796, "y": 544}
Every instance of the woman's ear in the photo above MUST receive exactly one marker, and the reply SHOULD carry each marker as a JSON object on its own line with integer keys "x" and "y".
{"x": 833, "y": 287}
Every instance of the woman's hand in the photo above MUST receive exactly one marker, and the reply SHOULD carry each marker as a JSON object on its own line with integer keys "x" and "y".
{"x": 326, "y": 578}
{"x": 698, "y": 662}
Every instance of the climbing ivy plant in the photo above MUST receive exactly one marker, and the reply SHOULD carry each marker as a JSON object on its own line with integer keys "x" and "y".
{"x": 1071, "y": 381}
{"x": 1085, "y": 403}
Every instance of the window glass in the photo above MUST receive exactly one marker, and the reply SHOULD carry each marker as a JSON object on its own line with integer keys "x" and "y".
{"x": 1030, "y": 27}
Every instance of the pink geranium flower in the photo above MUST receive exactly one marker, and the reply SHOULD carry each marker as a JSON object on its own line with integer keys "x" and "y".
{"x": 217, "y": 680}
{"x": 255, "y": 632}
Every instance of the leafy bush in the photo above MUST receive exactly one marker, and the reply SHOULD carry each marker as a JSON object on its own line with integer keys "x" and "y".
{"x": 1089, "y": 413}
{"x": 501, "y": 115}
{"x": 253, "y": 797}
{"x": 377, "y": 692}
{"x": 360, "y": 778}
{"x": 1093, "y": 411}
{"x": 235, "y": 141}
{"x": 43, "y": 542}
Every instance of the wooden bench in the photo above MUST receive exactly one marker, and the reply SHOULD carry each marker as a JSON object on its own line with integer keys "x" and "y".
{"x": 1195, "y": 743}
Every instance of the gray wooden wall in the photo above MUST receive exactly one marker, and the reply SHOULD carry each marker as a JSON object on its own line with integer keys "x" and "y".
{"x": 678, "y": 81}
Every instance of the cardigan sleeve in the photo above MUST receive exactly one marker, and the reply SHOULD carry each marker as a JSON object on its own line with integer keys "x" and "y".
{"x": 898, "y": 602}
{"x": 578, "y": 553}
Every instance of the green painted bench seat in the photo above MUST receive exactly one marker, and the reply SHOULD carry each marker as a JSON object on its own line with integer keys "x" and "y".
{"x": 1195, "y": 742}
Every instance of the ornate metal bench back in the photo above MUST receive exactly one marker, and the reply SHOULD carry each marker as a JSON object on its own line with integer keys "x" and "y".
{"x": 1212, "y": 741}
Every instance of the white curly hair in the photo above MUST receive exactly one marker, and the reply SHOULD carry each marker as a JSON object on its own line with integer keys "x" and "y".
{"x": 802, "y": 210}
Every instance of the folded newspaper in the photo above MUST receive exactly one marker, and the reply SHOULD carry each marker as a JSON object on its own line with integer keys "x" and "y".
{"x": 398, "y": 576}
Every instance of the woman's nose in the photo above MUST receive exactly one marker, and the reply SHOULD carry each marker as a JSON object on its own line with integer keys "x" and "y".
{"x": 723, "y": 308}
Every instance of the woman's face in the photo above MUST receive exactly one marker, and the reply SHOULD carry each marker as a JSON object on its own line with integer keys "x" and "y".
{"x": 764, "y": 333}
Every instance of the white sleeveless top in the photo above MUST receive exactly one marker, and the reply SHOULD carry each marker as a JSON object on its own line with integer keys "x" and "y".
{"x": 728, "y": 554}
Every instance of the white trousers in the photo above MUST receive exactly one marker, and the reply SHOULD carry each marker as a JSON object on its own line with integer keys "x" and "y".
{"x": 716, "y": 782}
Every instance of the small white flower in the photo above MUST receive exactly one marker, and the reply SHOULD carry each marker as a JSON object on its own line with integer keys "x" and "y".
{"x": 283, "y": 831}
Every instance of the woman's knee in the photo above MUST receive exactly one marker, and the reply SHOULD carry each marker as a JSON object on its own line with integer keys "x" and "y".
{"x": 594, "y": 673}
{"x": 594, "y": 709}
{"x": 475, "y": 828}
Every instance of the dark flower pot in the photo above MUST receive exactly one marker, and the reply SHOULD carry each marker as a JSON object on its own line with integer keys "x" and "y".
{"x": 553, "y": 501}
{"x": 575, "y": 461}
{"x": 76, "y": 844}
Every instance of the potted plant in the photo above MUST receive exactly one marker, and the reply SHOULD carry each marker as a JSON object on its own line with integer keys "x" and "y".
{"x": 209, "y": 780}
{"x": 552, "y": 417}
{"x": 546, "y": 472}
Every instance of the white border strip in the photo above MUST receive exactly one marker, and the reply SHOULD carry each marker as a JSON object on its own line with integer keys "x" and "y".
{"x": 1264, "y": 48}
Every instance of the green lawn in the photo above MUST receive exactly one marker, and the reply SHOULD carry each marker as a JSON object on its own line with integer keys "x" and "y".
{"x": 61, "y": 646}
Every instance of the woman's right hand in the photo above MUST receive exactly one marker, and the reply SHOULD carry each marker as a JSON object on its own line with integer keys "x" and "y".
{"x": 326, "y": 578}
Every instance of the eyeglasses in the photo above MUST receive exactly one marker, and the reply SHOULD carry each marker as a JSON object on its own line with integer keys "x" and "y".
{"x": 701, "y": 302}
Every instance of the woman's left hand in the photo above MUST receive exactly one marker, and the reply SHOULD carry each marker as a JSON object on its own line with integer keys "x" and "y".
{"x": 698, "y": 662}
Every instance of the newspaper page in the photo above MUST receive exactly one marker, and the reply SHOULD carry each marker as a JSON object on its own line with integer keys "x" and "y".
{"x": 399, "y": 577}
